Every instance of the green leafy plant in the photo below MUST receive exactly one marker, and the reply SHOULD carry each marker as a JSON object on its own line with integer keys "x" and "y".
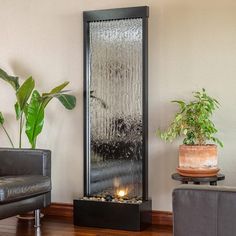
{"x": 193, "y": 121}
{"x": 30, "y": 105}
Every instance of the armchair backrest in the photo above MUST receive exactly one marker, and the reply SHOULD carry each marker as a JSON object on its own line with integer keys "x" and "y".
{"x": 25, "y": 162}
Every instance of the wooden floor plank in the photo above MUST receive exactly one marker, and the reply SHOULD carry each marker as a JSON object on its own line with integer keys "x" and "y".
{"x": 55, "y": 226}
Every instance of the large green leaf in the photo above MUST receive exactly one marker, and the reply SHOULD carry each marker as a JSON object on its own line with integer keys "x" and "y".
{"x": 34, "y": 118}
{"x": 47, "y": 97}
{"x": 59, "y": 87}
{"x": 68, "y": 101}
{"x": 12, "y": 80}
{"x": 24, "y": 92}
{"x": 35, "y": 110}
{"x": 1, "y": 118}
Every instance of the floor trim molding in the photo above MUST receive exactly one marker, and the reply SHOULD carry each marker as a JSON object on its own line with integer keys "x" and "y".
{"x": 162, "y": 218}
{"x": 59, "y": 209}
{"x": 66, "y": 210}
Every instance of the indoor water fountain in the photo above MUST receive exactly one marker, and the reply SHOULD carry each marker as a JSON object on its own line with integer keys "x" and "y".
{"x": 115, "y": 120}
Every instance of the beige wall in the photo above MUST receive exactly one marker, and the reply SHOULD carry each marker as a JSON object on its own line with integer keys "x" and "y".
{"x": 192, "y": 44}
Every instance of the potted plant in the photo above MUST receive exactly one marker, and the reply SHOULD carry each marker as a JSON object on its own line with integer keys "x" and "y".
{"x": 30, "y": 106}
{"x": 30, "y": 110}
{"x": 198, "y": 153}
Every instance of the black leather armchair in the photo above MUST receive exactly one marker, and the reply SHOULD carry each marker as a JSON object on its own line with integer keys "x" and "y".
{"x": 25, "y": 181}
{"x": 204, "y": 211}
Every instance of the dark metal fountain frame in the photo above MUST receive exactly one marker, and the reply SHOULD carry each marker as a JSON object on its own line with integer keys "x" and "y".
{"x": 117, "y": 14}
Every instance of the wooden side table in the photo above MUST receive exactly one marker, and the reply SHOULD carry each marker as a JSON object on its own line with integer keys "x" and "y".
{"x": 198, "y": 180}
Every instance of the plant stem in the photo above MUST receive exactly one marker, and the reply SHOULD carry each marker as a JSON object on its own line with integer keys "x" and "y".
{"x": 7, "y": 135}
{"x": 21, "y": 127}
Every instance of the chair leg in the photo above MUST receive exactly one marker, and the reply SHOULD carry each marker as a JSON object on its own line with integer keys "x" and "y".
{"x": 37, "y": 218}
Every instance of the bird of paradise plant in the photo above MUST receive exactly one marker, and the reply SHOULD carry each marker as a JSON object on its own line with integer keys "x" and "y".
{"x": 30, "y": 106}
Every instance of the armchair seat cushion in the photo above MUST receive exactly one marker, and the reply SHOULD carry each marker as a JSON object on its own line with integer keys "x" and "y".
{"x": 14, "y": 188}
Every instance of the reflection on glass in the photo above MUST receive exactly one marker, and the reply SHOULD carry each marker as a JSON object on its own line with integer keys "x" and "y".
{"x": 115, "y": 107}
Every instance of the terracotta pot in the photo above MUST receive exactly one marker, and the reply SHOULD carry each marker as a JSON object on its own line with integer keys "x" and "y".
{"x": 198, "y": 160}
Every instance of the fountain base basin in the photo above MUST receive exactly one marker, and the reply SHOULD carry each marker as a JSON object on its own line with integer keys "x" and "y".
{"x": 113, "y": 215}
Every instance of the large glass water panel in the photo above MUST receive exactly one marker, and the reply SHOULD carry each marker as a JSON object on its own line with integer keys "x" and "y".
{"x": 115, "y": 107}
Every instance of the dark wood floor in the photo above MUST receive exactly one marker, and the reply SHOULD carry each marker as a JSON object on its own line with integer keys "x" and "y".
{"x": 64, "y": 227}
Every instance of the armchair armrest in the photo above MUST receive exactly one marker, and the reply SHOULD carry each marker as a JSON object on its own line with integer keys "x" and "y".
{"x": 25, "y": 162}
{"x": 204, "y": 210}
